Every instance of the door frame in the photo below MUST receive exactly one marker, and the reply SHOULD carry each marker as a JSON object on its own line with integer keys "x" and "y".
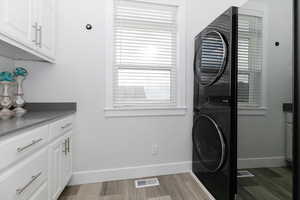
{"x": 233, "y": 101}
{"x": 296, "y": 103}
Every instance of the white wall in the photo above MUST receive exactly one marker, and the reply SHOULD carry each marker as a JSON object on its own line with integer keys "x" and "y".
{"x": 261, "y": 138}
{"x": 79, "y": 75}
{"x": 6, "y": 64}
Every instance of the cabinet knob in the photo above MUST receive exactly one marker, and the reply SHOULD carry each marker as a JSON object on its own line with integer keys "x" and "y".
{"x": 89, "y": 27}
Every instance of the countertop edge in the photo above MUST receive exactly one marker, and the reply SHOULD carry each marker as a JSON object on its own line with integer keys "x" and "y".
{"x": 38, "y": 115}
{"x": 17, "y": 131}
{"x": 38, "y": 124}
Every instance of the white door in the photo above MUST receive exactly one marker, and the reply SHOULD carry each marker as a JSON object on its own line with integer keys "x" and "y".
{"x": 17, "y": 20}
{"x": 46, "y": 29}
{"x": 67, "y": 161}
{"x": 55, "y": 170}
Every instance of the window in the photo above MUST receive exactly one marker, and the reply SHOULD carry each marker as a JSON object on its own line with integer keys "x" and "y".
{"x": 147, "y": 66}
{"x": 250, "y": 60}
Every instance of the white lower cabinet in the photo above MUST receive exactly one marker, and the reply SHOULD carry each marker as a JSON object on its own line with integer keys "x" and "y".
{"x": 44, "y": 172}
{"x": 60, "y": 165}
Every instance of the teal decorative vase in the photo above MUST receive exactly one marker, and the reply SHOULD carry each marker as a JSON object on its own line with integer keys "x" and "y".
{"x": 19, "y": 75}
{"x": 6, "y": 80}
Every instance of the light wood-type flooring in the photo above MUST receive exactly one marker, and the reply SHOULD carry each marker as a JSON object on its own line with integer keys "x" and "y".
{"x": 267, "y": 184}
{"x": 172, "y": 187}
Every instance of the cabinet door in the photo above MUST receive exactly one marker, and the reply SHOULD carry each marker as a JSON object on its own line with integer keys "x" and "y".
{"x": 46, "y": 29}
{"x": 67, "y": 161}
{"x": 55, "y": 172}
{"x": 16, "y": 21}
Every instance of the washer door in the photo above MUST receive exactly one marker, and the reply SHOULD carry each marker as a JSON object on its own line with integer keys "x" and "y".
{"x": 210, "y": 59}
{"x": 209, "y": 143}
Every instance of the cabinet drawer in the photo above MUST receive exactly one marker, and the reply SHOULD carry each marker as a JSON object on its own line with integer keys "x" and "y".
{"x": 60, "y": 127}
{"x": 15, "y": 148}
{"x": 21, "y": 181}
{"x": 41, "y": 194}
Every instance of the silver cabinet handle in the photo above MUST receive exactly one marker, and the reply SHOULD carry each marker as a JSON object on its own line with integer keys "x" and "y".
{"x": 68, "y": 145}
{"x": 66, "y": 126}
{"x": 65, "y": 150}
{"x": 35, "y": 27}
{"x": 33, "y": 178}
{"x": 40, "y": 30}
{"x": 20, "y": 149}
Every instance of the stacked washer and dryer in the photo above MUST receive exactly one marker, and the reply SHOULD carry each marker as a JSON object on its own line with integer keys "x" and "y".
{"x": 215, "y": 106}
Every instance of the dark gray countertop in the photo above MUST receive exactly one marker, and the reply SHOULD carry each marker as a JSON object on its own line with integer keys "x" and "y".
{"x": 37, "y": 114}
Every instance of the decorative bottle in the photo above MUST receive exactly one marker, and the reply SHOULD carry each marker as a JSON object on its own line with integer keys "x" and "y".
{"x": 6, "y": 80}
{"x": 19, "y": 75}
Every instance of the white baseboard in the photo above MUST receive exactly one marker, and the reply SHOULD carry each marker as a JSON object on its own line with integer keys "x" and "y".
{"x": 209, "y": 195}
{"x": 84, "y": 177}
{"x": 261, "y": 162}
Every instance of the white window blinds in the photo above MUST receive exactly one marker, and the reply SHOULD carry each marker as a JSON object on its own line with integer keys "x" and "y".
{"x": 145, "y": 49}
{"x": 250, "y": 60}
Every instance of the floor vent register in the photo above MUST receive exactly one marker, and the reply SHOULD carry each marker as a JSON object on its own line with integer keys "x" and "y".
{"x": 150, "y": 182}
{"x": 244, "y": 174}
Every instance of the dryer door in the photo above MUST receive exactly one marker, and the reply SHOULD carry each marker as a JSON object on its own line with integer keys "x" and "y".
{"x": 208, "y": 141}
{"x": 210, "y": 58}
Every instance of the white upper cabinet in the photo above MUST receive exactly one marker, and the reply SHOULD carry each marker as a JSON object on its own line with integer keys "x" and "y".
{"x": 46, "y": 26}
{"x": 16, "y": 18}
{"x": 28, "y": 29}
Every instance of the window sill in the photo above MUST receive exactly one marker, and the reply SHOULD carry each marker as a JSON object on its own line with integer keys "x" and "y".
{"x": 252, "y": 111}
{"x": 144, "y": 112}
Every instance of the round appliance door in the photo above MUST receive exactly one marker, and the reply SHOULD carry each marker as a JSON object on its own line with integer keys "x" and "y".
{"x": 210, "y": 58}
{"x": 209, "y": 143}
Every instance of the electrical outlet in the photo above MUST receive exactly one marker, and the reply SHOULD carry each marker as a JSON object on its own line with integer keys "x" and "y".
{"x": 154, "y": 149}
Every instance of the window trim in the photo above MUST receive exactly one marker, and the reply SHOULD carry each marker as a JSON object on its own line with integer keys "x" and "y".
{"x": 261, "y": 109}
{"x": 180, "y": 108}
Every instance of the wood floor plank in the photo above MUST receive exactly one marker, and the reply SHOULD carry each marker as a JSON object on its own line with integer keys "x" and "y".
{"x": 272, "y": 185}
{"x": 89, "y": 190}
{"x": 155, "y": 192}
{"x": 198, "y": 193}
{"x": 70, "y": 190}
{"x": 111, "y": 197}
{"x": 112, "y": 188}
{"x": 274, "y": 181}
{"x": 244, "y": 194}
{"x": 170, "y": 185}
{"x": 161, "y": 198}
{"x": 286, "y": 181}
{"x": 260, "y": 193}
